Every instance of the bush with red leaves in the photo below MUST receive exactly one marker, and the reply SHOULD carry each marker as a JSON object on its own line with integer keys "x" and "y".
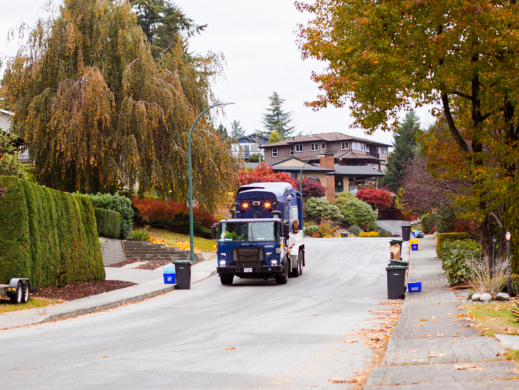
{"x": 264, "y": 173}
{"x": 378, "y": 198}
{"x": 311, "y": 188}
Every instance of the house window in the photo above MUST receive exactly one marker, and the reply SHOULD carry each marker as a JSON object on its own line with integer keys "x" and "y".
{"x": 345, "y": 145}
{"x": 291, "y": 151}
{"x": 314, "y": 178}
{"x": 354, "y": 146}
{"x": 314, "y": 146}
{"x": 373, "y": 166}
{"x": 323, "y": 146}
{"x": 363, "y": 147}
{"x": 274, "y": 152}
{"x": 384, "y": 151}
{"x": 299, "y": 148}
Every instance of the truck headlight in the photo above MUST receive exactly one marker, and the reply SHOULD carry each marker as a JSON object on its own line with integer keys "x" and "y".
{"x": 273, "y": 263}
{"x": 222, "y": 263}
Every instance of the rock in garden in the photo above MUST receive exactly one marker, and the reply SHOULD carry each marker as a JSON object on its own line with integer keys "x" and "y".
{"x": 486, "y": 297}
{"x": 503, "y": 297}
{"x": 476, "y": 297}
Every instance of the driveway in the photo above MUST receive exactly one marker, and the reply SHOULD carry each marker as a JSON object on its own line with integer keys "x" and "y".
{"x": 394, "y": 226}
{"x": 254, "y": 334}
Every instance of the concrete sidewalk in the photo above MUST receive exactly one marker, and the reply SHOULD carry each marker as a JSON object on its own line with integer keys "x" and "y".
{"x": 434, "y": 345}
{"x": 150, "y": 284}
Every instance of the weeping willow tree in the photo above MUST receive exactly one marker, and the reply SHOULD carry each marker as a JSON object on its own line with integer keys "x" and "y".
{"x": 99, "y": 113}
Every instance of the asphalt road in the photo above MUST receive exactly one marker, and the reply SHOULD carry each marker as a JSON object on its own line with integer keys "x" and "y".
{"x": 251, "y": 335}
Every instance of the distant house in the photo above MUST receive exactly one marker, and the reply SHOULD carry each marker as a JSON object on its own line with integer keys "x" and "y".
{"x": 5, "y": 124}
{"x": 249, "y": 145}
{"x": 338, "y": 161}
{"x": 346, "y": 150}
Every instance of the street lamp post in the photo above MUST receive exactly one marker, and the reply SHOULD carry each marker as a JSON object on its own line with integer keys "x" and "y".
{"x": 301, "y": 176}
{"x": 508, "y": 236}
{"x": 191, "y": 230}
{"x": 494, "y": 239}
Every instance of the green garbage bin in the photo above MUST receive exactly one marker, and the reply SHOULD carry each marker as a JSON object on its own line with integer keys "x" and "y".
{"x": 396, "y": 242}
{"x": 396, "y": 281}
{"x": 183, "y": 274}
{"x": 398, "y": 262}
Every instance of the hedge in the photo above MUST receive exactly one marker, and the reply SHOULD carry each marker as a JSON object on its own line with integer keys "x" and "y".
{"x": 48, "y": 236}
{"x": 108, "y": 223}
{"x": 455, "y": 254}
{"x": 442, "y": 237}
{"x": 121, "y": 204}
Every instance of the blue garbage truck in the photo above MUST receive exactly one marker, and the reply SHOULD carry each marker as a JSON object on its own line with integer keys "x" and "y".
{"x": 264, "y": 238}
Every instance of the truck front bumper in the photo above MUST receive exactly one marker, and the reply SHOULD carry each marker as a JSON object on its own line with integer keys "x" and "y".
{"x": 257, "y": 269}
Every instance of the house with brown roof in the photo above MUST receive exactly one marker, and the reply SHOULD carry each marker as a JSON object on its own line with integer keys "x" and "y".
{"x": 338, "y": 161}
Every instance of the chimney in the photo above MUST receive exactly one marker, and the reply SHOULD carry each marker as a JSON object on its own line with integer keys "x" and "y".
{"x": 327, "y": 162}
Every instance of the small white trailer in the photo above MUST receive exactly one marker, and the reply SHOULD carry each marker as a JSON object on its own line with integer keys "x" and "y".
{"x": 18, "y": 290}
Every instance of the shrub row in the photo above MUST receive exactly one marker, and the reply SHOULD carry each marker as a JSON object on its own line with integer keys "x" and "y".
{"x": 454, "y": 259}
{"x": 442, "y": 237}
{"x": 180, "y": 224}
{"x": 48, "y": 236}
{"x": 108, "y": 223}
{"x": 121, "y": 204}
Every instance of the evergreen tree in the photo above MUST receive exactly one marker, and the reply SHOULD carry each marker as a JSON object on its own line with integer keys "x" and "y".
{"x": 405, "y": 148}
{"x": 274, "y": 137}
{"x": 236, "y": 130}
{"x": 276, "y": 119}
{"x": 222, "y": 132}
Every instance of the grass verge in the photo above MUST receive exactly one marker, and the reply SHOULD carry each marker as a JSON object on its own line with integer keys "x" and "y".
{"x": 494, "y": 317}
{"x": 6, "y": 306}
{"x": 203, "y": 244}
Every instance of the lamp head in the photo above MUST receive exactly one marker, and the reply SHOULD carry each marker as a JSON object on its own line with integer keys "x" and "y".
{"x": 508, "y": 236}
{"x": 494, "y": 239}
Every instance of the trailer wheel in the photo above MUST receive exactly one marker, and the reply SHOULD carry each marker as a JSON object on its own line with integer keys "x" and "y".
{"x": 226, "y": 279}
{"x": 17, "y": 298}
{"x": 283, "y": 278}
{"x": 26, "y": 292}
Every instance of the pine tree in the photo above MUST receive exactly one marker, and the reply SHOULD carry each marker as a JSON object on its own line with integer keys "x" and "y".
{"x": 222, "y": 132}
{"x": 236, "y": 130}
{"x": 405, "y": 148}
{"x": 276, "y": 119}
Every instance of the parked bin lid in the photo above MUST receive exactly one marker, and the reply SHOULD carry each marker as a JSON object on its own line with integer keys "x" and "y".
{"x": 394, "y": 267}
{"x": 182, "y": 262}
{"x": 396, "y": 241}
{"x": 399, "y": 262}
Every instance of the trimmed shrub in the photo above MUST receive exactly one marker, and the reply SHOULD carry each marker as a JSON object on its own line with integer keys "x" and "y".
{"x": 425, "y": 223}
{"x": 121, "y": 204}
{"x": 354, "y": 229}
{"x": 357, "y": 212}
{"x": 443, "y": 237}
{"x": 139, "y": 235}
{"x": 108, "y": 223}
{"x": 48, "y": 236}
{"x": 384, "y": 233}
{"x": 369, "y": 234}
{"x": 454, "y": 259}
{"x": 320, "y": 208}
{"x": 309, "y": 230}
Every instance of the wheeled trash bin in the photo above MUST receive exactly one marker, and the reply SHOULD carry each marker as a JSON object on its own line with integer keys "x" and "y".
{"x": 406, "y": 232}
{"x": 183, "y": 274}
{"x": 396, "y": 281}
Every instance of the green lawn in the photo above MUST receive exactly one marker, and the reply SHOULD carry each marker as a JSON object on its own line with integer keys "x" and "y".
{"x": 6, "y": 306}
{"x": 203, "y": 244}
{"x": 494, "y": 317}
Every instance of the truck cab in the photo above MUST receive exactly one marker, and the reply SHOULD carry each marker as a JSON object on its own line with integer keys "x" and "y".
{"x": 263, "y": 240}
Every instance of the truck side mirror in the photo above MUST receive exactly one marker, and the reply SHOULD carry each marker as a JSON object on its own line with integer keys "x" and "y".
{"x": 286, "y": 231}
{"x": 213, "y": 232}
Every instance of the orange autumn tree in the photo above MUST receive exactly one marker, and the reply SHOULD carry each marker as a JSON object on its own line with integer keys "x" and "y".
{"x": 264, "y": 173}
{"x": 379, "y": 198}
{"x": 386, "y": 56}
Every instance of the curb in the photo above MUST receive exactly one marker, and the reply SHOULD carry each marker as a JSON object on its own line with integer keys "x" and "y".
{"x": 110, "y": 305}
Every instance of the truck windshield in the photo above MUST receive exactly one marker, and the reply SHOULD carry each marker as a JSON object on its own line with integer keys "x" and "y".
{"x": 248, "y": 231}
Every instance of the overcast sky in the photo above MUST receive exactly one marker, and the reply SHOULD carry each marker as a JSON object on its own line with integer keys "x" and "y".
{"x": 258, "y": 40}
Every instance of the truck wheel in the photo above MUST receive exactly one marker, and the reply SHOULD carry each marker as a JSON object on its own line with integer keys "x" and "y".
{"x": 17, "y": 298}
{"x": 295, "y": 272}
{"x": 301, "y": 261}
{"x": 226, "y": 279}
{"x": 26, "y": 292}
{"x": 283, "y": 278}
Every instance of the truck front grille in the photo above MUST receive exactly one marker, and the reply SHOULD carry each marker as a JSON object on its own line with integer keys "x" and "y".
{"x": 247, "y": 256}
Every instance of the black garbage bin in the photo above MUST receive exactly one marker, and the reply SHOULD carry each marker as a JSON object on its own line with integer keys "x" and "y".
{"x": 406, "y": 232}
{"x": 396, "y": 281}
{"x": 183, "y": 273}
{"x": 343, "y": 235}
{"x": 396, "y": 242}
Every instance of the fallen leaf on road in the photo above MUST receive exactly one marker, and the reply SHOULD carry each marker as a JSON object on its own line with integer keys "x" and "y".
{"x": 433, "y": 318}
{"x": 315, "y": 314}
{"x": 453, "y": 341}
{"x": 435, "y": 322}
{"x": 104, "y": 356}
{"x": 500, "y": 353}
{"x": 440, "y": 335}
{"x": 351, "y": 341}
{"x": 414, "y": 331}
{"x": 464, "y": 367}
{"x": 417, "y": 360}
{"x": 423, "y": 319}
{"x": 340, "y": 380}
{"x": 426, "y": 335}
{"x": 230, "y": 349}
{"x": 437, "y": 355}
{"x": 438, "y": 304}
